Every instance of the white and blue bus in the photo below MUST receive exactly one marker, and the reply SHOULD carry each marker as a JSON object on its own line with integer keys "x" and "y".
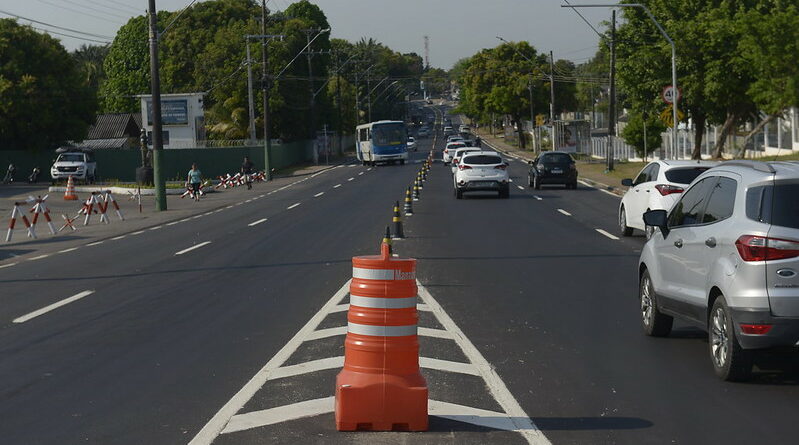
{"x": 382, "y": 141}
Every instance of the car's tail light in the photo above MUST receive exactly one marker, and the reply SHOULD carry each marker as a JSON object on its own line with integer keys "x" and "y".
{"x": 501, "y": 166}
{"x": 464, "y": 167}
{"x": 761, "y": 248}
{"x": 666, "y": 189}
{"x": 755, "y": 329}
{"x": 455, "y": 160}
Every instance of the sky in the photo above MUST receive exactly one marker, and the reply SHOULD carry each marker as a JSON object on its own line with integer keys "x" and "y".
{"x": 456, "y": 28}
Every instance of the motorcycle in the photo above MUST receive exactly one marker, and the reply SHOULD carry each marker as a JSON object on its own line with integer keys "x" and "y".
{"x": 34, "y": 176}
{"x": 9, "y": 178}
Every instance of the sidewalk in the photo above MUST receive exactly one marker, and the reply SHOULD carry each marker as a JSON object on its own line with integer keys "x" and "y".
{"x": 21, "y": 247}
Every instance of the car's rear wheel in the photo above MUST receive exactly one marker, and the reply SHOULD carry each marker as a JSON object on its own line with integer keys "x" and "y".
{"x": 730, "y": 361}
{"x": 655, "y": 323}
{"x": 625, "y": 231}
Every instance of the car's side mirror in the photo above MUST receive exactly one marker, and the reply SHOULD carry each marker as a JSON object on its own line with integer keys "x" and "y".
{"x": 659, "y": 219}
{"x": 627, "y": 182}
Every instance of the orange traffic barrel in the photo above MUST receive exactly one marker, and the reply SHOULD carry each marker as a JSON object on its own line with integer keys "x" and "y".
{"x": 381, "y": 387}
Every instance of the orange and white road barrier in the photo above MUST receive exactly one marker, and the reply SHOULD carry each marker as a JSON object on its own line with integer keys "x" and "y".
{"x": 69, "y": 193}
{"x": 89, "y": 208}
{"x": 68, "y": 222}
{"x": 109, "y": 198}
{"x": 40, "y": 208}
{"x": 380, "y": 387}
{"x": 17, "y": 213}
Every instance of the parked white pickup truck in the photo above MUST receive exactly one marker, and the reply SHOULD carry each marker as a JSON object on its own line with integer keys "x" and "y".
{"x": 79, "y": 164}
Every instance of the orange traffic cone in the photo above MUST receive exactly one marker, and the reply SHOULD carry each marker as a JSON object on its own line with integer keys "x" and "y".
{"x": 69, "y": 194}
{"x": 380, "y": 387}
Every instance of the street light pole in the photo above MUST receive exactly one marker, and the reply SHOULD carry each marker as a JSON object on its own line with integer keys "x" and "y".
{"x": 155, "y": 91}
{"x": 673, "y": 58}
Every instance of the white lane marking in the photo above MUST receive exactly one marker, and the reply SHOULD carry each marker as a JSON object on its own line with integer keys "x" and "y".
{"x": 514, "y": 412}
{"x": 359, "y": 174}
{"x": 520, "y": 187}
{"x": 423, "y": 307}
{"x": 280, "y": 414}
{"x": 214, "y": 427}
{"x": 7, "y": 265}
{"x": 538, "y": 198}
{"x": 137, "y": 233}
{"x": 436, "y": 333}
{"x": 447, "y": 365}
{"x": 511, "y": 180}
{"x": 261, "y": 196}
{"x": 196, "y": 246}
{"x": 307, "y": 367}
{"x": 586, "y": 184}
{"x": 156, "y": 227}
{"x": 318, "y": 194}
{"x": 350, "y": 179}
{"x": 325, "y": 333}
{"x": 96, "y": 243}
{"x": 293, "y": 206}
{"x": 369, "y": 169}
{"x": 564, "y": 212}
{"x": 39, "y": 257}
{"x": 340, "y": 308}
{"x": 255, "y": 223}
{"x": 608, "y": 192}
{"x": 351, "y": 165}
{"x": 229, "y": 207}
{"x": 609, "y": 235}
{"x": 68, "y": 250}
{"x": 337, "y": 186}
{"x": 118, "y": 237}
{"x": 53, "y": 306}
{"x": 249, "y": 200}
{"x": 480, "y": 417}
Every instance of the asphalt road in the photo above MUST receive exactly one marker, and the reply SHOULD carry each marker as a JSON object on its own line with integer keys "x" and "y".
{"x": 164, "y": 341}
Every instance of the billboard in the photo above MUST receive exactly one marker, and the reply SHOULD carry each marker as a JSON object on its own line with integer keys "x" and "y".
{"x": 173, "y": 112}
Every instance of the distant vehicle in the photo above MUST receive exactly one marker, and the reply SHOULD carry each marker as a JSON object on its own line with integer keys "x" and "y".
{"x": 382, "y": 141}
{"x": 482, "y": 171}
{"x": 75, "y": 162}
{"x": 423, "y": 132}
{"x": 454, "y": 138}
{"x": 448, "y": 130}
{"x": 429, "y": 101}
{"x": 449, "y": 151}
{"x": 461, "y": 152}
{"x": 464, "y": 129}
{"x": 657, "y": 186}
{"x": 553, "y": 167}
{"x": 725, "y": 258}
{"x": 411, "y": 143}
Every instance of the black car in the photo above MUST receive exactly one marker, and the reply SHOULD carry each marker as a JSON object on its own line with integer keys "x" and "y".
{"x": 553, "y": 167}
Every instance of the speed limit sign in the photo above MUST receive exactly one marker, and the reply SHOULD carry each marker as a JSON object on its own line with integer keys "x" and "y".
{"x": 668, "y": 94}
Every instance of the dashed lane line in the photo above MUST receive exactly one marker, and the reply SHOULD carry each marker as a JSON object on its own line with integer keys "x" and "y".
{"x": 520, "y": 187}
{"x": 359, "y": 174}
{"x": 609, "y": 235}
{"x": 351, "y": 179}
{"x": 96, "y": 243}
{"x": 53, "y": 306}
{"x": 564, "y": 212}
{"x": 255, "y": 223}
{"x": 8, "y": 265}
{"x": 68, "y": 250}
{"x": 156, "y": 227}
{"x": 118, "y": 237}
{"x": 337, "y": 186}
{"x": 318, "y": 194}
{"x": 196, "y": 246}
{"x": 538, "y": 198}
{"x": 39, "y": 257}
{"x": 296, "y": 204}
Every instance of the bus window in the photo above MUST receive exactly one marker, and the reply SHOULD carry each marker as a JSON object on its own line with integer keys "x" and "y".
{"x": 389, "y": 134}
{"x": 363, "y": 135}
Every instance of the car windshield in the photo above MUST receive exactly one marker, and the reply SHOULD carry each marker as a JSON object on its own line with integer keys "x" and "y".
{"x": 482, "y": 160}
{"x": 70, "y": 157}
{"x": 388, "y": 134}
{"x": 456, "y": 146}
{"x": 684, "y": 175}
{"x": 556, "y": 158}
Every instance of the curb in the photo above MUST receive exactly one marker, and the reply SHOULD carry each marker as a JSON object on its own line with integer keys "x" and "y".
{"x": 612, "y": 189}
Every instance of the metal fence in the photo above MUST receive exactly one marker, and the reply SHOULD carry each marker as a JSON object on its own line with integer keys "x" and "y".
{"x": 621, "y": 150}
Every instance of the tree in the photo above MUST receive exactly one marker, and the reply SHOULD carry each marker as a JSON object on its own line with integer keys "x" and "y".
{"x": 638, "y": 125}
{"x": 90, "y": 58}
{"x": 44, "y": 98}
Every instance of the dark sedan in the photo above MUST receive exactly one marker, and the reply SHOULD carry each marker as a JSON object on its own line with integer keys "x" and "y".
{"x": 553, "y": 167}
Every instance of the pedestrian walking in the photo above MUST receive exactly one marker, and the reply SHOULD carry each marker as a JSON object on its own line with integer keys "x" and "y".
{"x": 194, "y": 179}
{"x": 246, "y": 170}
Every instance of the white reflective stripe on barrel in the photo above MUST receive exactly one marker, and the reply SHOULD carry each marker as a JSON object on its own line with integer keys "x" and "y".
{"x": 381, "y": 331}
{"x": 382, "y": 274}
{"x": 382, "y": 303}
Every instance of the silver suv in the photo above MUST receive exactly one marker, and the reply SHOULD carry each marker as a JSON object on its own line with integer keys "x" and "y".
{"x": 726, "y": 258}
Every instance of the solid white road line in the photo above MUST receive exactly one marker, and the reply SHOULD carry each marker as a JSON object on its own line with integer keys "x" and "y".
{"x": 293, "y": 206}
{"x": 39, "y": 257}
{"x": 514, "y": 412}
{"x": 564, "y": 212}
{"x": 340, "y": 308}
{"x": 436, "y": 333}
{"x": 318, "y": 194}
{"x": 325, "y": 333}
{"x": 53, "y": 306}
{"x": 447, "y": 365}
{"x": 476, "y": 416}
{"x": 7, "y": 265}
{"x": 611, "y": 236}
{"x": 68, "y": 250}
{"x": 337, "y": 186}
{"x": 255, "y": 223}
{"x": 307, "y": 367}
{"x": 196, "y": 246}
{"x": 214, "y": 427}
{"x": 280, "y": 414}
{"x": 423, "y": 307}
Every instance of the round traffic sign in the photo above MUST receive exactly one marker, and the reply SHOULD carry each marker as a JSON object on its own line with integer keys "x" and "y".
{"x": 668, "y": 94}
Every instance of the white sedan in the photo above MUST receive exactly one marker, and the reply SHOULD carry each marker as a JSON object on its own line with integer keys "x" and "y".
{"x": 449, "y": 151}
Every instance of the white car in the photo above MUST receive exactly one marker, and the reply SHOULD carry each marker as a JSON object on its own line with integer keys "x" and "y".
{"x": 460, "y": 153}
{"x": 448, "y": 130}
{"x": 411, "y": 144}
{"x": 464, "y": 129}
{"x": 449, "y": 151}
{"x": 657, "y": 187}
{"x": 73, "y": 162}
{"x": 482, "y": 171}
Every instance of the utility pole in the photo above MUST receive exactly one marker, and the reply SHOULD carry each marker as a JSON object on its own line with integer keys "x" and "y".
{"x": 265, "y": 85}
{"x": 532, "y": 115}
{"x": 250, "y": 98}
{"x": 552, "y": 96}
{"x": 338, "y": 100}
{"x": 155, "y": 91}
{"x": 309, "y": 56}
{"x": 612, "y": 107}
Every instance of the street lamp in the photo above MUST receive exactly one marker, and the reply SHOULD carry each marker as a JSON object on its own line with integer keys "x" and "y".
{"x": 673, "y": 59}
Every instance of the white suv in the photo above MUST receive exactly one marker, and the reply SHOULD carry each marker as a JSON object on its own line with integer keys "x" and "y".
{"x": 449, "y": 151}
{"x": 657, "y": 187}
{"x": 726, "y": 258}
{"x": 461, "y": 152}
{"x": 76, "y": 163}
{"x": 482, "y": 171}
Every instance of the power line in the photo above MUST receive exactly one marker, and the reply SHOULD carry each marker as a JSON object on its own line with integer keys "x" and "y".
{"x": 55, "y": 26}
{"x": 105, "y": 19}
{"x": 121, "y": 4}
{"x": 47, "y": 31}
{"x": 112, "y": 8}
{"x": 95, "y": 10}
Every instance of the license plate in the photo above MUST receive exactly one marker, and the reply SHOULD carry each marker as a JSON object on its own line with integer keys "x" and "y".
{"x": 557, "y": 171}
{"x": 483, "y": 184}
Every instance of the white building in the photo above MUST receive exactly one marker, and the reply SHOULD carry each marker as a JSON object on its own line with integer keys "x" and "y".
{"x": 182, "y": 119}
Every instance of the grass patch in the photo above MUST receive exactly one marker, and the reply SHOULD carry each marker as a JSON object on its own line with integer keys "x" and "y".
{"x": 596, "y": 170}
